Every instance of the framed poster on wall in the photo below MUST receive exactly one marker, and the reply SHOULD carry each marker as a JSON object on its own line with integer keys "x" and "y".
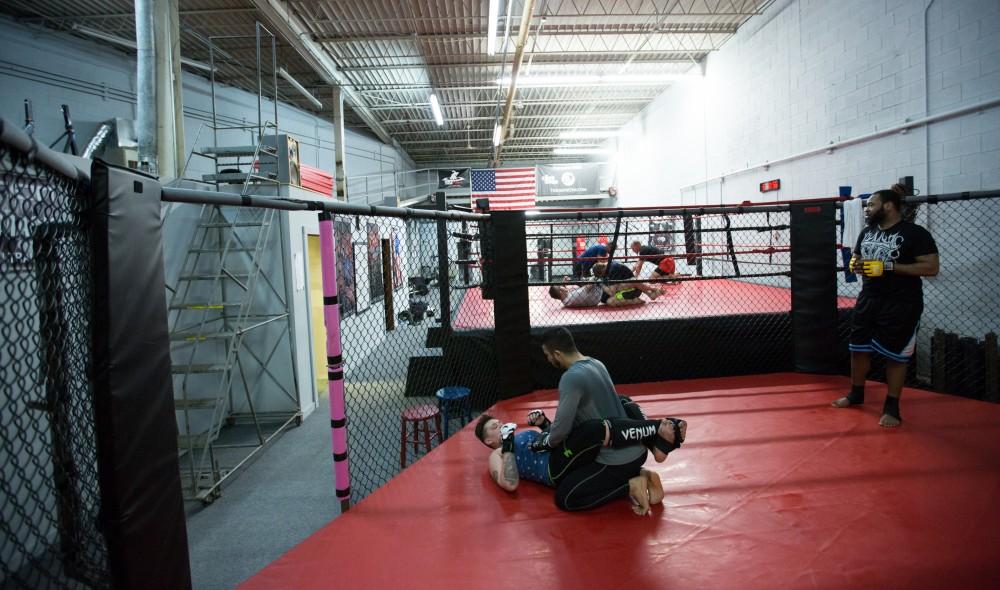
{"x": 376, "y": 288}
{"x": 346, "y": 274}
{"x": 361, "y": 266}
{"x": 397, "y": 260}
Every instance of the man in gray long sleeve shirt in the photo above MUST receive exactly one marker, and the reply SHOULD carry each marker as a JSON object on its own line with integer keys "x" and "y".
{"x": 586, "y": 392}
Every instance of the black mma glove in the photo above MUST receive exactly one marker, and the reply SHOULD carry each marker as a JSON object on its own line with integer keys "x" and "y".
{"x": 541, "y": 444}
{"x": 507, "y": 437}
{"x": 539, "y": 419}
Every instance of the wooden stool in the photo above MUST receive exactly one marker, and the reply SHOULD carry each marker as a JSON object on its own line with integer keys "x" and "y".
{"x": 426, "y": 420}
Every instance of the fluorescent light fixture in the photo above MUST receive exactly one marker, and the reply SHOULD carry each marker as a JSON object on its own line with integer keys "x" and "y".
{"x": 595, "y": 80}
{"x": 496, "y": 135}
{"x": 491, "y": 30}
{"x": 131, "y": 45}
{"x": 302, "y": 89}
{"x": 436, "y": 109}
{"x": 577, "y": 151}
{"x": 595, "y": 133}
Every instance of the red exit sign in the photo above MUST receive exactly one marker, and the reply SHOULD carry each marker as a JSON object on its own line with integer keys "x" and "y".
{"x": 770, "y": 185}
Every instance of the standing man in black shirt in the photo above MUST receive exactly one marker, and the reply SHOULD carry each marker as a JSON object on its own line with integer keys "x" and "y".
{"x": 664, "y": 264}
{"x": 892, "y": 255}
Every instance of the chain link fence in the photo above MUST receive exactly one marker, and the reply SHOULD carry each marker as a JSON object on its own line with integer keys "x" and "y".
{"x": 51, "y": 532}
{"x": 956, "y": 349}
{"x": 405, "y": 321}
{"x": 684, "y": 295}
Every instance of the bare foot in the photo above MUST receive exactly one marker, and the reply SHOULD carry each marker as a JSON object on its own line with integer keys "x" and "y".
{"x": 638, "y": 494}
{"x": 888, "y": 421}
{"x": 841, "y": 402}
{"x": 653, "y": 485}
{"x": 666, "y": 432}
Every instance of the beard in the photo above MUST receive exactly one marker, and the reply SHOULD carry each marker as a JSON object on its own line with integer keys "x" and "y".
{"x": 877, "y": 217}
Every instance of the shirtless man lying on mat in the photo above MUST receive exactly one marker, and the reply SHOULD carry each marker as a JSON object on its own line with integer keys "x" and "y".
{"x": 525, "y": 454}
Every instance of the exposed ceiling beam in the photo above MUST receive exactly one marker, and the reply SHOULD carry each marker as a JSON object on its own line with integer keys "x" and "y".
{"x": 488, "y": 132}
{"x": 666, "y": 28}
{"x": 294, "y": 31}
{"x": 525, "y": 103}
{"x": 459, "y": 139}
{"x": 411, "y": 121}
{"x": 498, "y": 64}
{"x": 679, "y": 53}
{"x": 552, "y": 20}
{"x": 131, "y": 15}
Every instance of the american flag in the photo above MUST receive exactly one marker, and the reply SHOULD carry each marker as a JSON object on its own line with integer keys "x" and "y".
{"x": 506, "y": 188}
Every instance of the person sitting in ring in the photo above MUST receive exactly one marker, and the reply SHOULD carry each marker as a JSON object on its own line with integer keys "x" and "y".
{"x": 665, "y": 266}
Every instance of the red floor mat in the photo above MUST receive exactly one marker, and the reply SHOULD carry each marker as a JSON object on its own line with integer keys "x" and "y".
{"x": 682, "y": 300}
{"x": 773, "y": 488}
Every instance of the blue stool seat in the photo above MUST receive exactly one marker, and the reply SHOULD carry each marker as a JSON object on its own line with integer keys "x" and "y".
{"x": 454, "y": 402}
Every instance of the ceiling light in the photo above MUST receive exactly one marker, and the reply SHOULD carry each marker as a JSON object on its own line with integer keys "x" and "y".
{"x": 302, "y": 90}
{"x": 436, "y": 109}
{"x": 491, "y": 31}
{"x": 496, "y": 135}
{"x": 596, "y": 133}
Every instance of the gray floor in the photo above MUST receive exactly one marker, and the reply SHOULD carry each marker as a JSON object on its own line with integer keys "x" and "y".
{"x": 279, "y": 500}
{"x": 287, "y": 493}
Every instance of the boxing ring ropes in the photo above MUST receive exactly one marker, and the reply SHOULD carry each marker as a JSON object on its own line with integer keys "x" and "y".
{"x": 326, "y": 210}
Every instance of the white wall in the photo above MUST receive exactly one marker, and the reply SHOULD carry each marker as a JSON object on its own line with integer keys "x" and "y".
{"x": 98, "y": 83}
{"x": 810, "y": 72}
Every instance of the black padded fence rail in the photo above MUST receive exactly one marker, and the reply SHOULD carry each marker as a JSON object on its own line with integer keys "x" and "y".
{"x": 51, "y": 531}
{"x": 182, "y": 195}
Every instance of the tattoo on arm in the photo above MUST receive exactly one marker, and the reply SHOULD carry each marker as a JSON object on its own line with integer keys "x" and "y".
{"x": 494, "y": 475}
{"x": 510, "y": 468}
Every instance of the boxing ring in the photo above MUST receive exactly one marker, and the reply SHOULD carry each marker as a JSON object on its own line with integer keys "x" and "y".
{"x": 773, "y": 488}
{"x": 687, "y": 299}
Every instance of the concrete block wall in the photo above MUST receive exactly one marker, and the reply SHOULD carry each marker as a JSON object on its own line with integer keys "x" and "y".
{"x": 808, "y": 73}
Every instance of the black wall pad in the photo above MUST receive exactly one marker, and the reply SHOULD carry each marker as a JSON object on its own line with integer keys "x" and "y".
{"x": 814, "y": 286}
{"x": 425, "y": 375}
{"x": 511, "y": 312}
{"x": 142, "y": 506}
{"x": 472, "y": 360}
{"x": 643, "y": 351}
{"x": 436, "y": 337}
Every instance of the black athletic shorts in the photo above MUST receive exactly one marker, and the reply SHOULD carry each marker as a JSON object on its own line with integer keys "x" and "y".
{"x": 886, "y": 325}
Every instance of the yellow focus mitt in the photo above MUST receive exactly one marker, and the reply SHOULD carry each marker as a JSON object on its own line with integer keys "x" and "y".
{"x": 876, "y": 268}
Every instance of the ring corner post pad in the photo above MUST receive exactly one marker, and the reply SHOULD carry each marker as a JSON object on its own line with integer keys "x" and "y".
{"x": 142, "y": 505}
{"x": 511, "y": 311}
{"x": 814, "y": 311}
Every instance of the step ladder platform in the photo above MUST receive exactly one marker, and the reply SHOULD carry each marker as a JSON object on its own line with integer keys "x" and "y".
{"x": 236, "y": 151}
{"x": 238, "y": 177}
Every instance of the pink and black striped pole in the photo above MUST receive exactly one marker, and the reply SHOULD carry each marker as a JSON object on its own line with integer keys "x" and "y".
{"x": 334, "y": 361}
